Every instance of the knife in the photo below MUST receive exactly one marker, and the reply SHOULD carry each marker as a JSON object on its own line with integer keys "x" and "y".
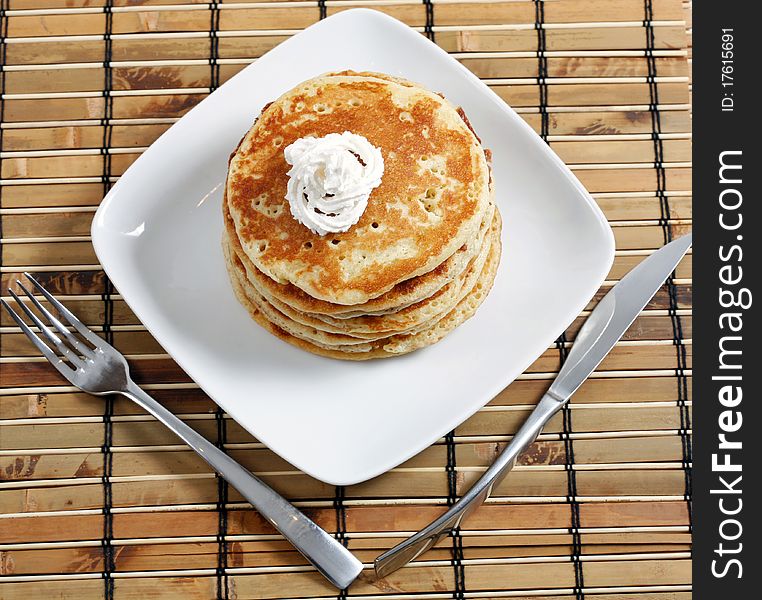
{"x": 608, "y": 322}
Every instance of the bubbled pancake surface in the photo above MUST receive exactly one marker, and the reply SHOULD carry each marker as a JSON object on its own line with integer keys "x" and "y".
{"x": 392, "y": 346}
{"x": 433, "y": 195}
{"x": 403, "y": 295}
{"x": 353, "y": 331}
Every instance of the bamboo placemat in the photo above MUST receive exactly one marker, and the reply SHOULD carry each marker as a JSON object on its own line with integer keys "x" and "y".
{"x": 98, "y": 500}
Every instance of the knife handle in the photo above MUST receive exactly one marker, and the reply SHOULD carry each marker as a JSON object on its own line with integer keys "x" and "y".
{"x": 416, "y": 545}
{"x": 546, "y": 408}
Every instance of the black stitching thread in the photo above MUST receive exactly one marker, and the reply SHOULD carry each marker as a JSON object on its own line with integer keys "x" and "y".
{"x": 653, "y": 108}
{"x": 3, "y": 35}
{"x": 542, "y": 67}
{"x": 428, "y": 28}
{"x": 109, "y": 562}
{"x": 665, "y": 215}
{"x": 223, "y": 584}
{"x": 108, "y": 309}
{"x": 341, "y": 523}
{"x": 108, "y": 101}
{"x": 457, "y": 564}
{"x": 341, "y": 514}
{"x": 214, "y": 46}
{"x": 323, "y": 10}
{"x": 571, "y": 474}
{"x": 571, "y": 483}
{"x": 108, "y": 518}
{"x": 451, "y": 469}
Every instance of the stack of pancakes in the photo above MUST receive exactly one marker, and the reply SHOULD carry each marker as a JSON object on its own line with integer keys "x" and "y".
{"x": 423, "y": 255}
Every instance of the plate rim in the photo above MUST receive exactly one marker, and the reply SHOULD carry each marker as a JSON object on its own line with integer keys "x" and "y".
{"x": 100, "y": 243}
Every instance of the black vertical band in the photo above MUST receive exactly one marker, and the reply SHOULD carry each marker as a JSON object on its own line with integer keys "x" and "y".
{"x": 108, "y": 309}
{"x": 108, "y": 101}
{"x": 109, "y": 564}
{"x": 653, "y": 107}
{"x": 223, "y": 585}
{"x": 542, "y": 67}
{"x": 451, "y": 469}
{"x": 428, "y": 28}
{"x": 322, "y": 9}
{"x": 665, "y": 215}
{"x": 341, "y": 522}
{"x": 214, "y": 46}
{"x": 108, "y": 517}
{"x": 341, "y": 514}
{"x": 3, "y": 35}
{"x": 571, "y": 483}
{"x": 571, "y": 474}
{"x": 457, "y": 564}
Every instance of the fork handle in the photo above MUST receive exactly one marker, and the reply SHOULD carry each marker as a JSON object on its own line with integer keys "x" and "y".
{"x": 414, "y": 546}
{"x": 332, "y": 559}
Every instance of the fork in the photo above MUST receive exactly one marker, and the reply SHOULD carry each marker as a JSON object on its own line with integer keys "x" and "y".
{"x": 96, "y": 367}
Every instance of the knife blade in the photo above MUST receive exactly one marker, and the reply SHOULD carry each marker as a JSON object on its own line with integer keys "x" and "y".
{"x": 614, "y": 314}
{"x": 605, "y": 326}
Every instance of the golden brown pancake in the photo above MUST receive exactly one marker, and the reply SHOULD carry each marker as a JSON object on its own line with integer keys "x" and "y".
{"x": 431, "y": 201}
{"x": 400, "y": 297}
{"x": 354, "y": 331}
{"x": 391, "y": 346}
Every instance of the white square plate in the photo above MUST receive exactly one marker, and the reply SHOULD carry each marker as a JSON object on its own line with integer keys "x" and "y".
{"x": 157, "y": 235}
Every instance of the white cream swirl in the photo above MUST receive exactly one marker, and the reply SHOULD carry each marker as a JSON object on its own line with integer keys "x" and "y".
{"x": 331, "y": 179}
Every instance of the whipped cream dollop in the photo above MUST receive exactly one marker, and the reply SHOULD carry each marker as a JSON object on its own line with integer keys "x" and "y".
{"x": 331, "y": 179}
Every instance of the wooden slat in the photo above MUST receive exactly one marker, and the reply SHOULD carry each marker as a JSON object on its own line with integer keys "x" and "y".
{"x": 164, "y": 370}
{"x": 300, "y": 16}
{"x": 241, "y": 45}
{"x": 194, "y": 401}
{"x": 79, "y": 137}
{"x": 194, "y": 76}
{"x": 623, "y": 418}
{"x": 536, "y": 484}
{"x": 128, "y": 342}
{"x": 196, "y": 588}
{"x": 203, "y": 555}
{"x": 30, "y": 528}
{"x": 588, "y": 452}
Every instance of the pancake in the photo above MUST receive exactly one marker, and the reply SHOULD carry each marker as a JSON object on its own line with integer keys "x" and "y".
{"x": 411, "y": 317}
{"x": 388, "y": 347}
{"x": 431, "y": 201}
{"x": 401, "y": 296}
{"x": 409, "y": 321}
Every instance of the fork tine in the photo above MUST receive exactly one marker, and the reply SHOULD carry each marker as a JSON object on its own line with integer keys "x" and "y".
{"x": 54, "y": 339}
{"x": 60, "y": 327}
{"x": 55, "y": 360}
{"x": 67, "y": 314}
